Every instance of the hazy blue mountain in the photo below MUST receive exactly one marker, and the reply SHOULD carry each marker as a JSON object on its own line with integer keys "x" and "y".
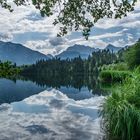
{"x": 49, "y": 56}
{"x": 75, "y": 51}
{"x": 19, "y": 54}
{"x": 83, "y": 51}
{"x": 113, "y": 48}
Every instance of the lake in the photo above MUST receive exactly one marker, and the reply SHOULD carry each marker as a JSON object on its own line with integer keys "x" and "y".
{"x": 43, "y": 110}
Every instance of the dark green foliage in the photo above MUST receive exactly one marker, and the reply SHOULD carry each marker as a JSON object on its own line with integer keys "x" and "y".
{"x": 72, "y": 14}
{"x": 121, "y": 110}
{"x": 121, "y": 54}
{"x": 132, "y": 55}
{"x": 110, "y": 76}
{"x": 78, "y": 66}
{"x": 75, "y": 72}
{"x": 8, "y": 69}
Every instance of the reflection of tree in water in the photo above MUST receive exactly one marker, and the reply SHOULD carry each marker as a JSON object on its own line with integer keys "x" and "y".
{"x": 75, "y": 72}
{"x": 76, "y": 81}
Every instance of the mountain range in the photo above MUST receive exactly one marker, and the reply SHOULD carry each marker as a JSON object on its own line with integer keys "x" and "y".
{"x": 20, "y": 54}
{"x": 75, "y": 51}
{"x": 84, "y": 51}
{"x": 113, "y": 48}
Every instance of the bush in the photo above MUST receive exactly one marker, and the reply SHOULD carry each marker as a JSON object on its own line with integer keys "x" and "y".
{"x": 117, "y": 66}
{"x": 132, "y": 56}
{"x": 121, "y": 110}
{"x": 8, "y": 69}
{"x": 112, "y": 76}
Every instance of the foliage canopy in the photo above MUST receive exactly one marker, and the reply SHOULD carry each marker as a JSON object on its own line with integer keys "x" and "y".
{"x": 74, "y": 15}
{"x": 132, "y": 55}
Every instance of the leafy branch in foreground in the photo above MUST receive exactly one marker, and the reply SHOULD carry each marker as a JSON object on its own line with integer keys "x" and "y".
{"x": 74, "y": 15}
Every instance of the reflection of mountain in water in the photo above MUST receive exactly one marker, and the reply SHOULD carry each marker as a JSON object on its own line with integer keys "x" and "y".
{"x": 11, "y": 91}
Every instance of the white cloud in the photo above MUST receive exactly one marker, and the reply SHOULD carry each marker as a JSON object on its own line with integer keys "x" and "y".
{"x": 6, "y": 37}
{"x": 26, "y": 19}
{"x": 96, "y": 40}
{"x": 57, "y": 41}
{"x": 100, "y": 43}
{"x": 48, "y": 46}
{"x": 132, "y": 20}
{"x": 119, "y": 43}
{"x": 40, "y": 45}
{"x": 19, "y": 22}
{"x": 130, "y": 37}
{"x": 108, "y": 35}
{"x": 132, "y": 24}
{"x": 122, "y": 41}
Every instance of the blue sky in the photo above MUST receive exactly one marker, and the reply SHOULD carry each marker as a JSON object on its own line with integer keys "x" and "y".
{"x": 26, "y": 26}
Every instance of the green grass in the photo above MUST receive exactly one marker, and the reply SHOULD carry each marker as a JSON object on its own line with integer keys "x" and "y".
{"x": 121, "y": 110}
{"x": 112, "y": 76}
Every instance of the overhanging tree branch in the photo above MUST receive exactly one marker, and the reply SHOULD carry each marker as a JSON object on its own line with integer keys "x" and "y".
{"x": 76, "y": 15}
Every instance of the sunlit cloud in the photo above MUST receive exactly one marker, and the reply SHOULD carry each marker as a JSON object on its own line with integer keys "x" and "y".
{"x": 26, "y": 26}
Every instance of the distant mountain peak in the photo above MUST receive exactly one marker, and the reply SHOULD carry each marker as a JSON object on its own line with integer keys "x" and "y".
{"x": 76, "y": 51}
{"x": 19, "y": 54}
{"x": 110, "y": 46}
{"x": 78, "y": 47}
{"x": 83, "y": 51}
{"x": 113, "y": 48}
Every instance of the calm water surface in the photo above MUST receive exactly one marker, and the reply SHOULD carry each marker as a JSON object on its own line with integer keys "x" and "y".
{"x": 30, "y": 111}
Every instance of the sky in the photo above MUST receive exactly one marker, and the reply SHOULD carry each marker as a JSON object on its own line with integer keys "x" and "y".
{"x": 25, "y": 26}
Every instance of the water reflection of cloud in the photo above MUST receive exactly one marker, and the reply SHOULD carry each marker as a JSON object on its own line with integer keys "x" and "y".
{"x": 36, "y": 129}
{"x": 56, "y": 118}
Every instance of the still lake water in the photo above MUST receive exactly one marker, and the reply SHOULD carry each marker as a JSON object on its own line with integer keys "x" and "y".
{"x": 30, "y": 111}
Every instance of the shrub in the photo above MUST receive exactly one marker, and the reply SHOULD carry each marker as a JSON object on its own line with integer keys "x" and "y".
{"x": 132, "y": 56}
{"x": 8, "y": 69}
{"x": 113, "y": 76}
{"x": 118, "y": 66}
{"x": 121, "y": 110}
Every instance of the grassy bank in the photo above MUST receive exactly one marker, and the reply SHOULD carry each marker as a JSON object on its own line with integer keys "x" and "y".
{"x": 121, "y": 110}
{"x": 113, "y": 76}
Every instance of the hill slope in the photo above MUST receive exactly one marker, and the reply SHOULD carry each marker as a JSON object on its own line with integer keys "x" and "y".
{"x": 113, "y": 48}
{"x": 75, "y": 51}
{"x": 19, "y": 54}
